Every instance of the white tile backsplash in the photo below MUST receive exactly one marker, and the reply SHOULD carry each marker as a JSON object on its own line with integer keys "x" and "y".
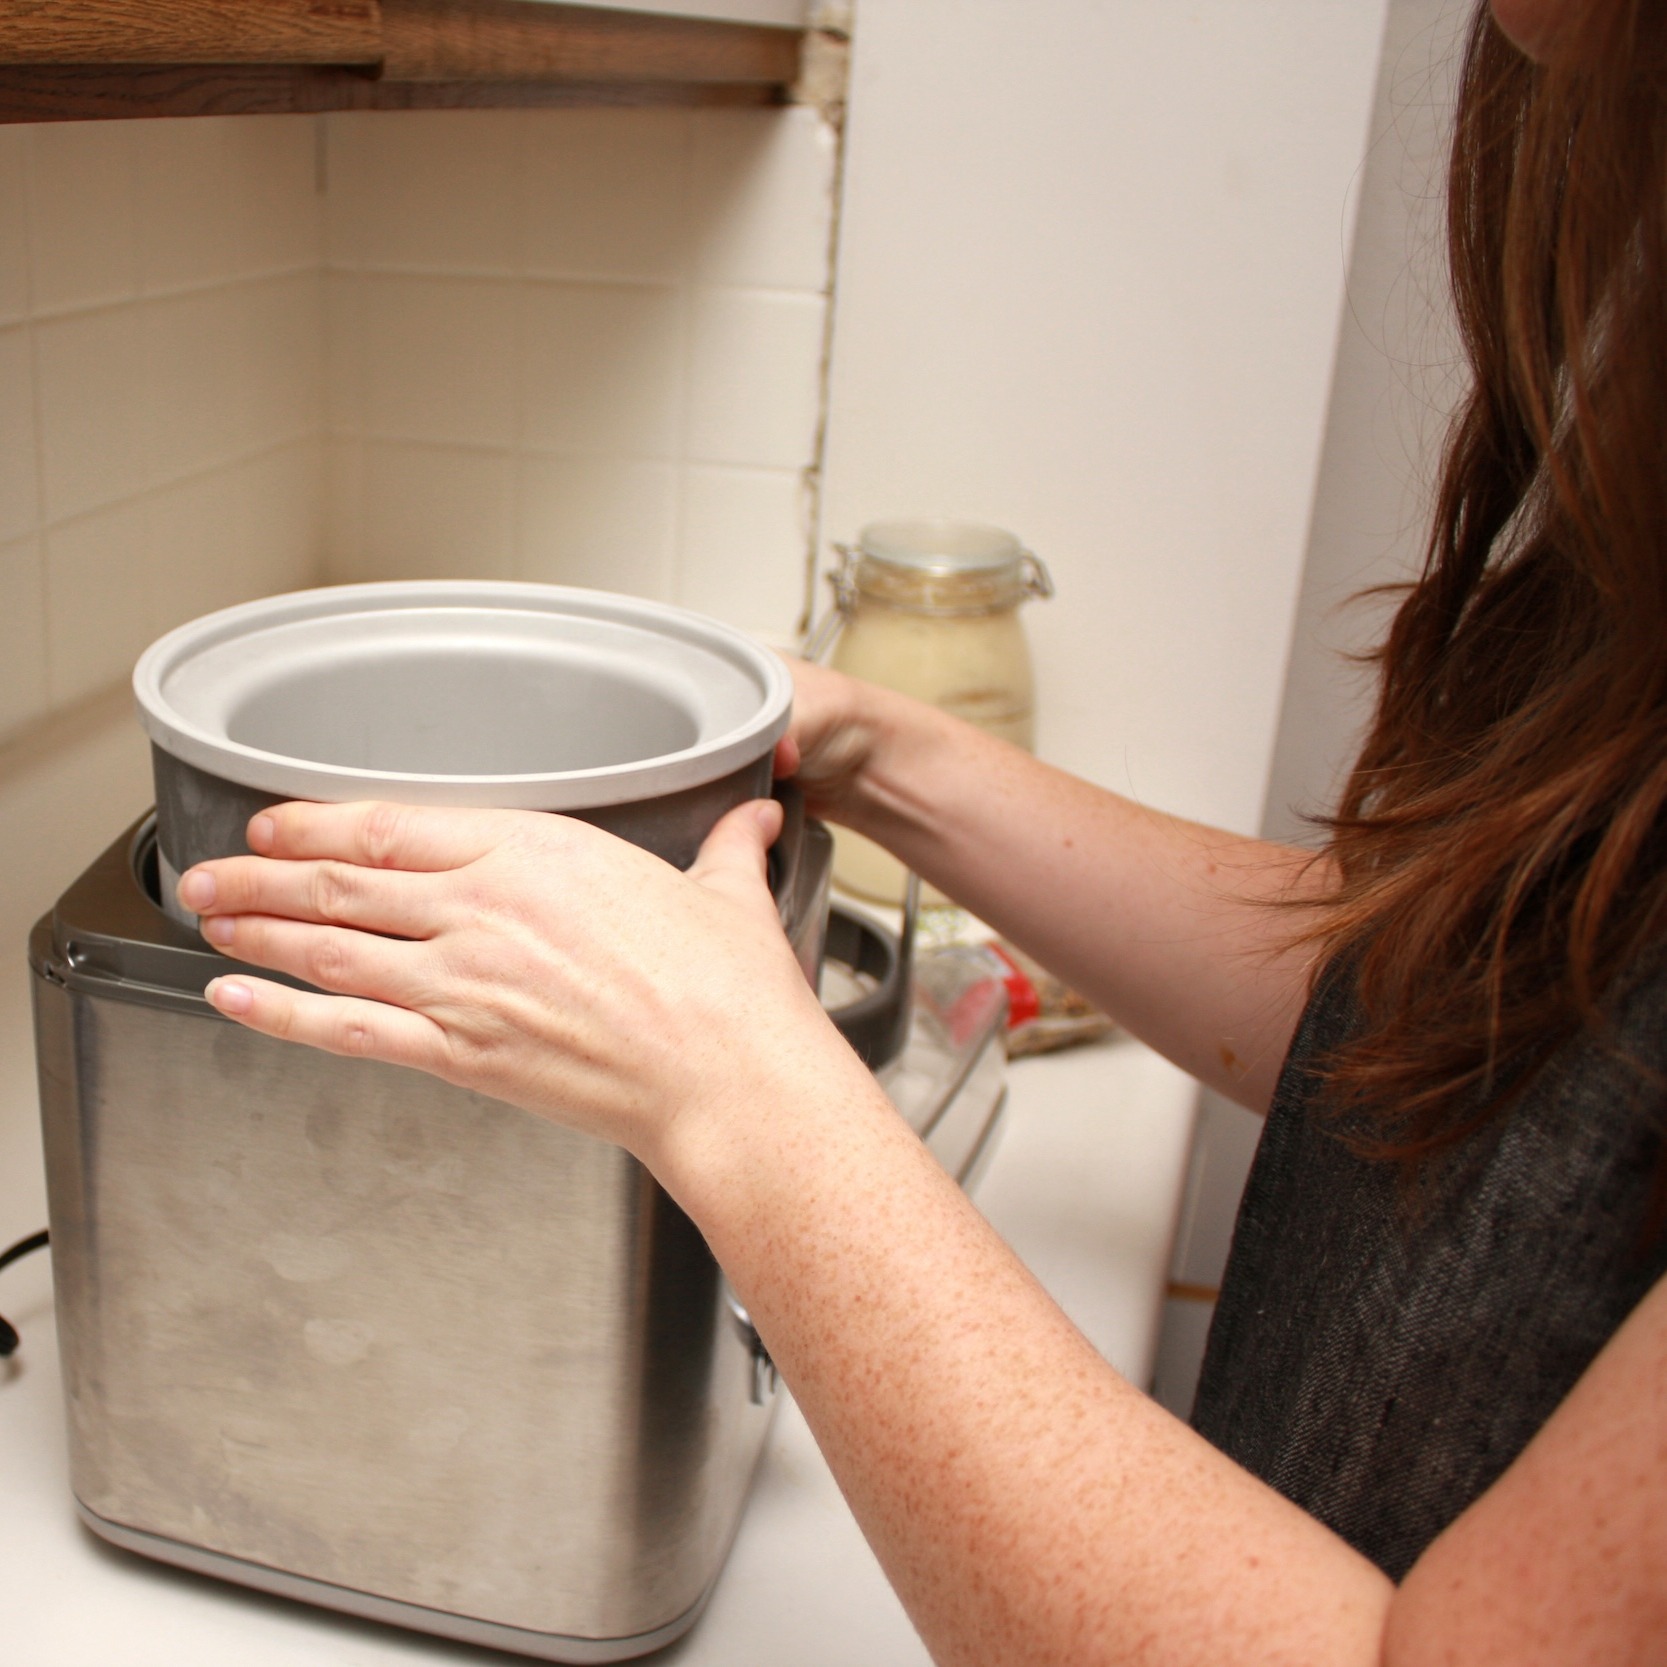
{"x": 281, "y": 518}
{"x": 278, "y": 394}
{"x": 14, "y": 224}
{"x": 98, "y": 600}
{"x": 19, "y": 508}
{"x": 233, "y": 534}
{"x": 602, "y": 369}
{"x": 226, "y": 197}
{"x": 344, "y": 353}
{"x": 744, "y": 547}
{"x": 753, "y": 389}
{"x": 762, "y": 197}
{"x": 161, "y": 388}
{"x": 245, "y": 354}
{"x": 95, "y": 425}
{"x": 671, "y": 274}
{"x": 272, "y": 183}
{"x": 605, "y": 194}
{"x": 343, "y": 506}
{"x": 439, "y": 359}
{"x": 194, "y": 532}
{"x": 23, "y": 693}
{"x": 436, "y": 512}
{"x": 191, "y": 393}
{"x": 83, "y": 214}
{"x": 604, "y": 523}
{"x": 231, "y": 370}
{"x": 431, "y": 191}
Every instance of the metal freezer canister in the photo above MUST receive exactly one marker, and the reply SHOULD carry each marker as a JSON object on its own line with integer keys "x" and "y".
{"x": 338, "y": 1330}
{"x": 645, "y": 719}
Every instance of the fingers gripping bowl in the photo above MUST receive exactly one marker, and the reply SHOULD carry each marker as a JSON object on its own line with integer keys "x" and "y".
{"x": 644, "y": 719}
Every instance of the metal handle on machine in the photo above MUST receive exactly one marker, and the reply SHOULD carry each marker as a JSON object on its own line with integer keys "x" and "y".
{"x": 788, "y": 850}
{"x": 906, "y": 954}
{"x": 876, "y": 1024}
{"x": 764, "y": 1374}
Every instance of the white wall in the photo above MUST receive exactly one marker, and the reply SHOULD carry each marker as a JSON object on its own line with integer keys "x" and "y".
{"x": 1395, "y": 380}
{"x": 1398, "y": 376}
{"x": 1090, "y": 275}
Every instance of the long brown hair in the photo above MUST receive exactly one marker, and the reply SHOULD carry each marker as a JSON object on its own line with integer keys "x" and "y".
{"x": 1502, "y": 841}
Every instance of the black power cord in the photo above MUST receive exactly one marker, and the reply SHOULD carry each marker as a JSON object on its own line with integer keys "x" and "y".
{"x": 35, "y": 1241}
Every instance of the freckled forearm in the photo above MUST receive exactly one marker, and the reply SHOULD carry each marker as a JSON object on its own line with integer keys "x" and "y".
{"x": 1029, "y": 1505}
{"x": 1167, "y": 924}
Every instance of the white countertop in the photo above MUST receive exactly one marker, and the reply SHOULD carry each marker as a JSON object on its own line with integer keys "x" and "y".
{"x": 1084, "y": 1183}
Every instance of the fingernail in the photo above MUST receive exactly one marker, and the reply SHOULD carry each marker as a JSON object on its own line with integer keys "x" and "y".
{"x": 196, "y": 890}
{"x": 262, "y": 831}
{"x": 229, "y": 996}
{"x": 218, "y": 929}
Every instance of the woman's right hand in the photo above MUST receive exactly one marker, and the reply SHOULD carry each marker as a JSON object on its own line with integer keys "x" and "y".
{"x": 837, "y": 726}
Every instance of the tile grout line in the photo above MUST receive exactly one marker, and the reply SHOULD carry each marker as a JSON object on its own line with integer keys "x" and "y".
{"x": 177, "y": 292}
{"x": 559, "y": 280}
{"x": 159, "y": 488}
{"x": 518, "y": 487}
{"x": 344, "y": 449}
{"x": 319, "y": 555}
{"x": 42, "y": 574}
{"x": 686, "y": 288}
{"x": 814, "y": 475}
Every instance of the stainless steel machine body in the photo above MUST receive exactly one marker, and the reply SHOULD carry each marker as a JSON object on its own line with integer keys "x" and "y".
{"x": 341, "y": 1331}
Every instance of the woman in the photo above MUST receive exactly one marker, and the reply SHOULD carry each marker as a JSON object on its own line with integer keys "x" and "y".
{"x": 1462, "y": 1141}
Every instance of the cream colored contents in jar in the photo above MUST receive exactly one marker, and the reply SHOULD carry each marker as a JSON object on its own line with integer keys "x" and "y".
{"x": 976, "y": 666}
{"x": 927, "y": 636}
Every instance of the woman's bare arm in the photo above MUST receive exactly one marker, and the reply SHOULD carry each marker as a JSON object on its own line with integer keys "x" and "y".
{"x": 1029, "y": 1505}
{"x": 1163, "y": 922}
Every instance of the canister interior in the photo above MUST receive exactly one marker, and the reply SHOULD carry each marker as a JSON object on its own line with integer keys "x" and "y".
{"x": 455, "y": 707}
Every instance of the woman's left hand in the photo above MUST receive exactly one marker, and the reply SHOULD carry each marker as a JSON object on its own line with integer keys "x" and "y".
{"x": 526, "y": 955}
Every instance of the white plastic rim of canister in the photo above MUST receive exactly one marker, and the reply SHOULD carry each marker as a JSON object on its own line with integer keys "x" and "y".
{"x": 465, "y": 693}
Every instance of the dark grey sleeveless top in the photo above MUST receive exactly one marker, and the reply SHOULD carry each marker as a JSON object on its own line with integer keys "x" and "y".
{"x": 1380, "y": 1354}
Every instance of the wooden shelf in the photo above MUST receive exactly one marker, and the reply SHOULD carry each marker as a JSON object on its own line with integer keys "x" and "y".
{"x": 80, "y": 60}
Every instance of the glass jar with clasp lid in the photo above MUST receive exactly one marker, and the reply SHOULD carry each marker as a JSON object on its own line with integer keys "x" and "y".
{"x": 931, "y": 609}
